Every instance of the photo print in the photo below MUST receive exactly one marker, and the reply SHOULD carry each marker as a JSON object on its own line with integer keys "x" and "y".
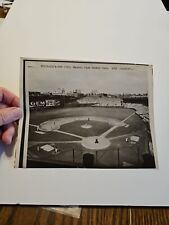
{"x": 86, "y": 115}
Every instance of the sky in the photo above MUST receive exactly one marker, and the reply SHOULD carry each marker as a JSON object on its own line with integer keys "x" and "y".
{"x": 129, "y": 80}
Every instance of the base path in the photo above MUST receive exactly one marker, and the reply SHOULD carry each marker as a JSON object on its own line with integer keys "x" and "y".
{"x": 121, "y": 123}
{"x": 70, "y": 134}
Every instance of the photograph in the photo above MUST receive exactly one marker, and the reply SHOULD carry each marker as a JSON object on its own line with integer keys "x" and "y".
{"x": 79, "y": 114}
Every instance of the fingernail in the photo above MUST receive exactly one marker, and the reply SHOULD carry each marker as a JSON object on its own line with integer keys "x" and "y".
{"x": 9, "y": 140}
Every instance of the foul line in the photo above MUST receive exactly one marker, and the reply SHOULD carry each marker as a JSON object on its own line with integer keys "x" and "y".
{"x": 70, "y": 134}
{"x": 128, "y": 117}
{"x": 32, "y": 125}
{"x": 120, "y": 136}
{"x": 108, "y": 131}
{"x": 114, "y": 127}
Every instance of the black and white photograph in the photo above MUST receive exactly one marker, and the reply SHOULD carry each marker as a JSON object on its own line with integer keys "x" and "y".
{"x": 86, "y": 115}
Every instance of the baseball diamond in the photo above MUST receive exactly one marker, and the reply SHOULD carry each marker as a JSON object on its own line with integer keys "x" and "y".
{"x": 114, "y": 137}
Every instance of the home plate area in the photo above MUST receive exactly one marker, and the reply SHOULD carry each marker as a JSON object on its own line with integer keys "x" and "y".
{"x": 89, "y": 137}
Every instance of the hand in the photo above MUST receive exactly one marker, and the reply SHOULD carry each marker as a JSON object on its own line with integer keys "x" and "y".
{"x": 9, "y": 114}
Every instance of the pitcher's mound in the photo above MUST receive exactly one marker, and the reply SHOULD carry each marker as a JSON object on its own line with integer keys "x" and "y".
{"x": 86, "y": 126}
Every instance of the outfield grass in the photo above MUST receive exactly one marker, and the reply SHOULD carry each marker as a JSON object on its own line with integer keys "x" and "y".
{"x": 116, "y": 113}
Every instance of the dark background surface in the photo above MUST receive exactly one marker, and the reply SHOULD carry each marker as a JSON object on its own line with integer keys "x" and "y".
{"x": 24, "y": 215}
{"x": 166, "y": 4}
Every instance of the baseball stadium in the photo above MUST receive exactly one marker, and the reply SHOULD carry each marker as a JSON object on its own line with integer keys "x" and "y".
{"x": 90, "y": 132}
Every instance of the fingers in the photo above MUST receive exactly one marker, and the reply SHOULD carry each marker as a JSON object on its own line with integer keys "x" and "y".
{"x": 8, "y": 115}
{"x": 8, "y": 133}
{"x": 8, "y": 98}
{"x": 2, "y": 105}
{"x": 9, "y": 112}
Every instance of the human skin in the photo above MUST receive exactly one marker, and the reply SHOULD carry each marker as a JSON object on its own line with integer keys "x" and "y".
{"x": 10, "y": 113}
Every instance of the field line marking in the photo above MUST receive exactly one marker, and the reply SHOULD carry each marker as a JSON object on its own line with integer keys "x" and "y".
{"x": 120, "y": 136}
{"x": 70, "y": 134}
{"x": 116, "y": 126}
{"x": 128, "y": 117}
{"x": 32, "y": 125}
{"x": 108, "y": 131}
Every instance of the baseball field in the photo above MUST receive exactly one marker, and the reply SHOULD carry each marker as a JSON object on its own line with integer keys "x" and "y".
{"x": 115, "y": 137}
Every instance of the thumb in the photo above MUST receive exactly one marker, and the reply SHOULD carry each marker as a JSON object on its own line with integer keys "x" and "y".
{"x": 9, "y": 115}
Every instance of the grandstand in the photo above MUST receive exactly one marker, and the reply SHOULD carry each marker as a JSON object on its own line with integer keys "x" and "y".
{"x": 101, "y": 101}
